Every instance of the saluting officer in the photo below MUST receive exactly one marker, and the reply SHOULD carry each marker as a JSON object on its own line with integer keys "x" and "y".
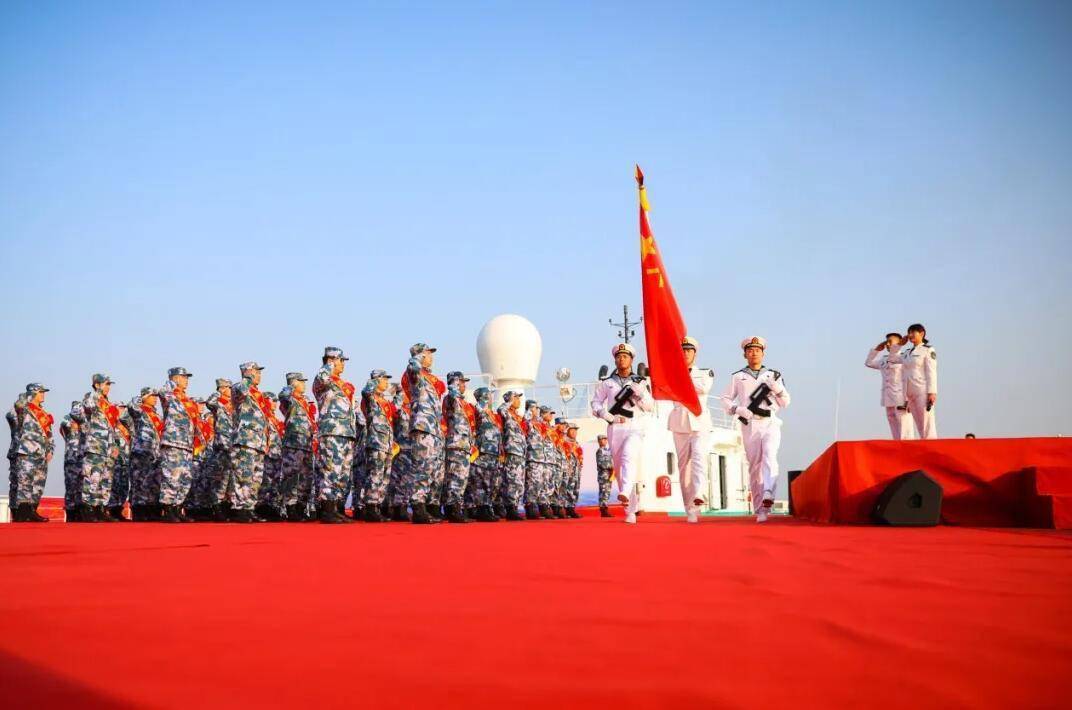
{"x": 626, "y": 425}
{"x": 379, "y": 413}
{"x": 460, "y": 419}
{"x": 920, "y": 377}
{"x": 300, "y": 444}
{"x": 338, "y": 434}
{"x": 33, "y": 452}
{"x": 893, "y": 398}
{"x": 761, "y": 428}
{"x": 692, "y": 435}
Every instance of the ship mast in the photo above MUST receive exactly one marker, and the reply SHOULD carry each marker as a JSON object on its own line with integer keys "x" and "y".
{"x": 625, "y": 331}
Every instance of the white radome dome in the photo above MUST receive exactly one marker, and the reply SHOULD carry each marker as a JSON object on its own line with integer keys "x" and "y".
{"x": 509, "y": 349}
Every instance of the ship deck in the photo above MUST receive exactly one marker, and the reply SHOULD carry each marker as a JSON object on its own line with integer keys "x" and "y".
{"x": 542, "y": 614}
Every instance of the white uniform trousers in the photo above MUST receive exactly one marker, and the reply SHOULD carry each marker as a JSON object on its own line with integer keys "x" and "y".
{"x": 625, "y": 445}
{"x": 925, "y": 424}
{"x": 692, "y": 448}
{"x": 762, "y": 437}
{"x": 900, "y": 423}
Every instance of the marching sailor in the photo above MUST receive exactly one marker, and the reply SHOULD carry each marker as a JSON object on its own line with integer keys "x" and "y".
{"x": 623, "y": 400}
{"x": 692, "y": 435}
{"x": 920, "y": 377}
{"x": 754, "y": 395}
{"x": 893, "y": 398}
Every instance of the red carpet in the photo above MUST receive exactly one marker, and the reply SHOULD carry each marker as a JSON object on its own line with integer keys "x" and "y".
{"x": 549, "y": 614}
{"x": 985, "y": 482}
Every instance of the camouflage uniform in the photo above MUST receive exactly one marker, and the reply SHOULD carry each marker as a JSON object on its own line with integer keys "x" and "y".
{"x": 72, "y": 460}
{"x": 604, "y": 471}
{"x": 484, "y": 471}
{"x": 514, "y": 446}
{"x": 359, "y": 472}
{"x": 33, "y": 445}
{"x": 460, "y": 418}
{"x": 99, "y": 447}
{"x": 379, "y": 440}
{"x": 145, "y": 452}
{"x": 181, "y": 425}
{"x": 269, "y": 493}
{"x": 554, "y": 483}
{"x": 217, "y": 464}
{"x": 13, "y": 444}
{"x": 299, "y": 444}
{"x": 402, "y": 464}
{"x": 424, "y": 391}
{"x": 250, "y": 441}
{"x": 338, "y": 430}
{"x": 120, "y": 493}
{"x": 538, "y": 455}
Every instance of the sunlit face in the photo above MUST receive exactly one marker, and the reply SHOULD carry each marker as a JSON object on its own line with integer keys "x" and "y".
{"x": 298, "y": 387}
{"x": 180, "y": 382}
{"x": 337, "y": 365}
{"x": 916, "y": 336}
{"x": 894, "y": 340}
{"x": 38, "y": 398}
{"x": 754, "y": 355}
{"x": 149, "y": 400}
{"x": 427, "y": 358}
{"x": 549, "y": 417}
{"x": 106, "y": 388}
{"x": 460, "y": 384}
{"x": 572, "y": 434}
{"x": 254, "y": 376}
{"x": 623, "y": 361}
{"x": 225, "y": 392}
{"x": 602, "y": 442}
{"x": 690, "y": 356}
{"x": 382, "y": 383}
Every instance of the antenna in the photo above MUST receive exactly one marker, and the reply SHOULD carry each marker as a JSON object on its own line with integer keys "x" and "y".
{"x": 626, "y": 326}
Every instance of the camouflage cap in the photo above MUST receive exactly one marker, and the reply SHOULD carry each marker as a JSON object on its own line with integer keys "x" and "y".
{"x": 35, "y": 387}
{"x": 377, "y": 374}
{"x": 100, "y": 379}
{"x": 179, "y": 371}
{"x": 561, "y": 420}
{"x": 530, "y": 403}
{"x": 456, "y": 375}
{"x": 296, "y": 377}
{"x": 418, "y": 348}
{"x": 331, "y": 351}
{"x": 571, "y": 426}
{"x": 146, "y": 392}
{"x": 272, "y": 396}
{"x": 222, "y": 382}
{"x": 198, "y": 400}
{"x": 482, "y": 394}
{"x": 546, "y": 410}
{"x": 251, "y": 365}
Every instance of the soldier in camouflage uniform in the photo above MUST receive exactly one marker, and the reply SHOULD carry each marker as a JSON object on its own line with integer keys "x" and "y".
{"x": 379, "y": 414}
{"x": 573, "y": 483}
{"x": 33, "y": 452}
{"x": 182, "y": 431}
{"x": 250, "y": 445}
{"x": 197, "y": 500}
{"x": 359, "y": 473}
{"x": 12, "y": 475}
{"x": 537, "y": 469}
{"x": 71, "y": 431}
{"x": 269, "y": 500}
{"x": 100, "y": 448}
{"x": 217, "y": 466}
{"x": 338, "y": 434}
{"x": 514, "y": 447}
{"x": 554, "y": 482}
{"x": 300, "y": 444}
{"x": 460, "y": 419}
{"x": 604, "y": 471}
{"x": 425, "y": 392}
{"x": 484, "y": 472}
{"x": 145, "y": 457}
{"x": 402, "y": 462}
{"x": 120, "y": 493}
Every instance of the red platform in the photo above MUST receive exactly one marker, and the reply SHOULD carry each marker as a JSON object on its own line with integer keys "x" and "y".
{"x": 985, "y": 482}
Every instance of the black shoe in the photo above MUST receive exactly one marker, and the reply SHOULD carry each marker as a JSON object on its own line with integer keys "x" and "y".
{"x": 20, "y": 513}
{"x": 241, "y": 516}
{"x": 532, "y": 511}
{"x": 604, "y": 512}
{"x": 421, "y": 516}
{"x": 358, "y": 512}
{"x": 512, "y": 514}
{"x": 385, "y": 510}
{"x": 560, "y": 512}
{"x": 104, "y": 515}
{"x": 500, "y": 510}
{"x": 116, "y": 513}
{"x": 434, "y": 512}
{"x": 72, "y": 515}
{"x": 216, "y": 514}
{"x": 399, "y": 514}
{"x": 372, "y": 514}
{"x": 545, "y": 511}
{"x": 171, "y": 514}
{"x": 572, "y": 512}
{"x": 327, "y": 514}
{"x": 455, "y": 514}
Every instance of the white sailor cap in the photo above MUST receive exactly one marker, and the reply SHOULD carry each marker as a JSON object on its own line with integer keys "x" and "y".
{"x": 754, "y": 342}
{"x": 623, "y": 348}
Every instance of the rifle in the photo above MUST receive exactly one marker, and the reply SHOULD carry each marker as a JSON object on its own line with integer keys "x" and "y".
{"x": 760, "y": 397}
{"x": 624, "y": 397}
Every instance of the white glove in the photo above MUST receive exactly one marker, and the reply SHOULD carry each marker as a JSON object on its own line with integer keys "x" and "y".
{"x": 743, "y": 412}
{"x": 774, "y": 382}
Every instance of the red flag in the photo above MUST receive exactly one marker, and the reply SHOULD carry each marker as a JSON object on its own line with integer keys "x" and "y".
{"x": 663, "y": 326}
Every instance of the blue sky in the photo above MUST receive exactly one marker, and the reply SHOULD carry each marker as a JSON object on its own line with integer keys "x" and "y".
{"x": 199, "y": 186}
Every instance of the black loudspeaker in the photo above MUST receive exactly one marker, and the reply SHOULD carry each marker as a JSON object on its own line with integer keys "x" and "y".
{"x": 792, "y": 477}
{"x": 913, "y": 498}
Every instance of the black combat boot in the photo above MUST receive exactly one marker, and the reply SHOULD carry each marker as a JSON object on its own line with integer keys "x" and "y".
{"x": 500, "y": 509}
{"x": 326, "y": 512}
{"x": 116, "y": 513}
{"x": 241, "y": 516}
{"x": 171, "y": 514}
{"x": 455, "y": 514}
{"x": 512, "y": 514}
{"x": 573, "y": 513}
{"x": 216, "y": 514}
{"x": 104, "y": 516}
{"x": 372, "y": 514}
{"x": 385, "y": 510}
{"x": 71, "y": 515}
{"x": 532, "y": 511}
{"x": 604, "y": 512}
{"x": 399, "y": 514}
{"x": 19, "y": 512}
{"x": 358, "y": 512}
{"x": 434, "y": 512}
{"x": 35, "y": 517}
{"x": 421, "y": 516}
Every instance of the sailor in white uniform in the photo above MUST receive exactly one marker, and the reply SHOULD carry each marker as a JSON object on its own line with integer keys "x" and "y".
{"x": 761, "y": 429}
{"x": 920, "y": 377}
{"x": 692, "y": 435}
{"x": 893, "y": 398}
{"x": 628, "y": 395}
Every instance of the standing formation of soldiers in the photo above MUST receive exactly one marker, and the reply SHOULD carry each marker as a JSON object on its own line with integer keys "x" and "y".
{"x": 416, "y": 451}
